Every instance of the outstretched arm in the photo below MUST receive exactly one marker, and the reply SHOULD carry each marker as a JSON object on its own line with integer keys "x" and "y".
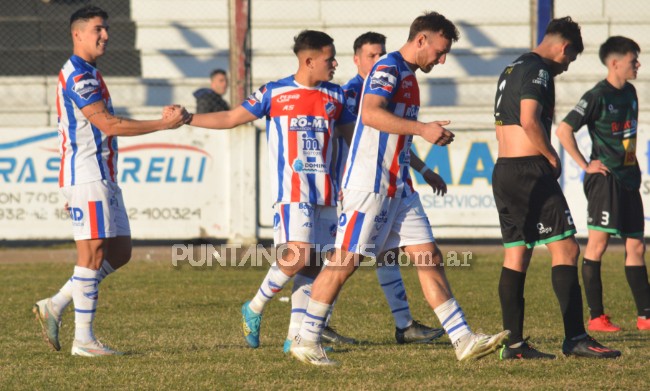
{"x": 97, "y": 114}
{"x": 223, "y": 119}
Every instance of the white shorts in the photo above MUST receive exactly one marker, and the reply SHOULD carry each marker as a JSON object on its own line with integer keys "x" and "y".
{"x": 372, "y": 223}
{"x": 97, "y": 210}
{"x": 304, "y": 222}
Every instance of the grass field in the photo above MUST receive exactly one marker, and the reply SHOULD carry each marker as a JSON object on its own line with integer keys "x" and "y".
{"x": 181, "y": 328}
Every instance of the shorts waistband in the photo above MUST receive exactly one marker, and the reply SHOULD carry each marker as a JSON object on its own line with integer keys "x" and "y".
{"x": 522, "y": 159}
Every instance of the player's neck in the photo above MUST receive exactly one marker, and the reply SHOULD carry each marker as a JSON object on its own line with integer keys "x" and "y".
{"x": 305, "y": 79}
{"x": 615, "y": 81}
{"x": 85, "y": 56}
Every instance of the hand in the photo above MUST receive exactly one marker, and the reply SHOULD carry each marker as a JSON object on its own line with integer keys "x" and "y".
{"x": 435, "y": 133}
{"x": 596, "y": 167}
{"x": 556, "y": 164}
{"x": 436, "y": 182}
{"x": 175, "y": 116}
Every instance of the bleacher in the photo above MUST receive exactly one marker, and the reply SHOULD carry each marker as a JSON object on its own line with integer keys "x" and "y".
{"x": 166, "y": 49}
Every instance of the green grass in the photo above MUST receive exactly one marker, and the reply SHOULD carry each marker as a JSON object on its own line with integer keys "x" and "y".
{"x": 181, "y": 328}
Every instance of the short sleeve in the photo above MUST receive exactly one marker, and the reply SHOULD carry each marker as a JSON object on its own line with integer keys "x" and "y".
{"x": 584, "y": 112}
{"x": 535, "y": 84}
{"x": 259, "y": 102}
{"x": 383, "y": 79}
{"x": 84, "y": 89}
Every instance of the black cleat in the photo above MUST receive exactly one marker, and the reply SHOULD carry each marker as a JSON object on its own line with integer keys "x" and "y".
{"x": 417, "y": 333}
{"x": 524, "y": 352}
{"x": 330, "y": 335}
{"x": 588, "y": 347}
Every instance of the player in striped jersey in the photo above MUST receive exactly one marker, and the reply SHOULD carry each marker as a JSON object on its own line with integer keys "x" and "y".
{"x": 380, "y": 208}
{"x": 302, "y": 112}
{"x": 368, "y": 48}
{"x": 88, "y": 131}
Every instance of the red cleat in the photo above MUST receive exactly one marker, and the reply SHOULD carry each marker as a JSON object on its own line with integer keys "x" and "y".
{"x": 642, "y": 323}
{"x": 603, "y": 324}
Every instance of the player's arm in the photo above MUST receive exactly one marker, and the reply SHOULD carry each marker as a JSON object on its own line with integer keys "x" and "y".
{"x": 98, "y": 115}
{"x": 374, "y": 113}
{"x": 223, "y": 119}
{"x": 565, "y": 133}
{"x": 431, "y": 178}
{"x": 530, "y": 114}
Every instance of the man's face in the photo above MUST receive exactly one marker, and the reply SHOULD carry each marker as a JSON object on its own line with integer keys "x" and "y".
{"x": 91, "y": 38}
{"x": 627, "y": 66}
{"x": 324, "y": 63}
{"x": 219, "y": 83}
{"x": 367, "y": 56}
{"x": 432, "y": 50}
{"x": 568, "y": 55}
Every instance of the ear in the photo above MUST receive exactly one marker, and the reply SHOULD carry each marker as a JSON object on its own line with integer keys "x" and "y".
{"x": 421, "y": 39}
{"x": 357, "y": 60}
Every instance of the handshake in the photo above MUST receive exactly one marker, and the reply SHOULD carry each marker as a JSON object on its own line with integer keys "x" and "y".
{"x": 176, "y": 116}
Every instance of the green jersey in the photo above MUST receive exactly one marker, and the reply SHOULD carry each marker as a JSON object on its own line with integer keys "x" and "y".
{"x": 611, "y": 117}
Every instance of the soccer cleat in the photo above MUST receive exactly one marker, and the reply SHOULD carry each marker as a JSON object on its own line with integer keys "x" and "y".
{"x": 524, "y": 352}
{"x": 251, "y": 325}
{"x": 417, "y": 333}
{"x": 588, "y": 347}
{"x": 287, "y": 346}
{"x": 93, "y": 349}
{"x": 642, "y": 323}
{"x": 474, "y": 346}
{"x": 49, "y": 322}
{"x": 602, "y": 324}
{"x": 310, "y": 353}
{"x": 330, "y": 335}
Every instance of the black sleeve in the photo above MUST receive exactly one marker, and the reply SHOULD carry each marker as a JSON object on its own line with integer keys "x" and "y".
{"x": 534, "y": 84}
{"x": 584, "y": 112}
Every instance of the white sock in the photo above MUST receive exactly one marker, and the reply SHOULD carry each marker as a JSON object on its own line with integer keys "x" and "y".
{"x": 104, "y": 271}
{"x": 62, "y": 298}
{"x": 313, "y": 322}
{"x": 84, "y": 295}
{"x": 299, "y": 301}
{"x": 273, "y": 283}
{"x": 392, "y": 284}
{"x": 452, "y": 318}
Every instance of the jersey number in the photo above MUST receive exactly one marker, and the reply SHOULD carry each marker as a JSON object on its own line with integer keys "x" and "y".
{"x": 502, "y": 86}
{"x": 605, "y": 219}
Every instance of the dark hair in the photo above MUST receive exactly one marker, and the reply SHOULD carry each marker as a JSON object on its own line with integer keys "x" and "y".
{"x": 567, "y": 29}
{"x": 86, "y": 13}
{"x": 217, "y": 72}
{"x": 617, "y": 45}
{"x": 433, "y": 21}
{"x": 311, "y": 40}
{"x": 368, "y": 38}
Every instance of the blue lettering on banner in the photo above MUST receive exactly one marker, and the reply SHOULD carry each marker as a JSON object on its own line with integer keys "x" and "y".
{"x": 478, "y": 164}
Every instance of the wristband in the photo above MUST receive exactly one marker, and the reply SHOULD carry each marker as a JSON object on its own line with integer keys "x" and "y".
{"x": 424, "y": 170}
{"x": 189, "y": 118}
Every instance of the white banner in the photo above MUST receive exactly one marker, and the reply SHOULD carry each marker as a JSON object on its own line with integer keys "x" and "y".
{"x": 170, "y": 181}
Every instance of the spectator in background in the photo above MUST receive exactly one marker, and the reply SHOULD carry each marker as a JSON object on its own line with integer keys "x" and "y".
{"x": 209, "y": 100}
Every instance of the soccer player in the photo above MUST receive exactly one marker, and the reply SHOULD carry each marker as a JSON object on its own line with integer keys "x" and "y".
{"x": 302, "y": 112}
{"x": 532, "y": 208}
{"x": 88, "y": 131}
{"x": 612, "y": 178}
{"x": 368, "y": 48}
{"x": 380, "y": 208}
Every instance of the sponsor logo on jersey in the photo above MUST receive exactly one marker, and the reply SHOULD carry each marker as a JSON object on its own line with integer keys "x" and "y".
{"x": 85, "y": 85}
{"x": 298, "y": 165}
{"x": 581, "y": 107}
{"x": 542, "y": 78}
{"x": 287, "y": 97}
{"x": 543, "y": 230}
{"x": 276, "y": 221}
{"x": 305, "y": 123}
{"x": 381, "y": 219}
{"x": 257, "y": 96}
{"x": 411, "y": 112}
{"x": 384, "y": 78}
{"x": 612, "y": 109}
{"x": 310, "y": 145}
{"x": 343, "y": 219}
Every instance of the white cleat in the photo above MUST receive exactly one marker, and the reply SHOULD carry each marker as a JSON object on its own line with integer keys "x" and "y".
{"x": 475, "y": 346}
{"x": 310, "y": 353}
{"x": 93, "y": 349}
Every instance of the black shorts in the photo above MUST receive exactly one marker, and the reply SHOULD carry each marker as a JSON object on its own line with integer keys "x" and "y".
{"x": 532, "y": 208}
{"x": 613, "y": 208}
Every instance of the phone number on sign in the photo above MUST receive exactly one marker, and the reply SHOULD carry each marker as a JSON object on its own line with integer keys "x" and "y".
{"x": 150, "y": 214}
